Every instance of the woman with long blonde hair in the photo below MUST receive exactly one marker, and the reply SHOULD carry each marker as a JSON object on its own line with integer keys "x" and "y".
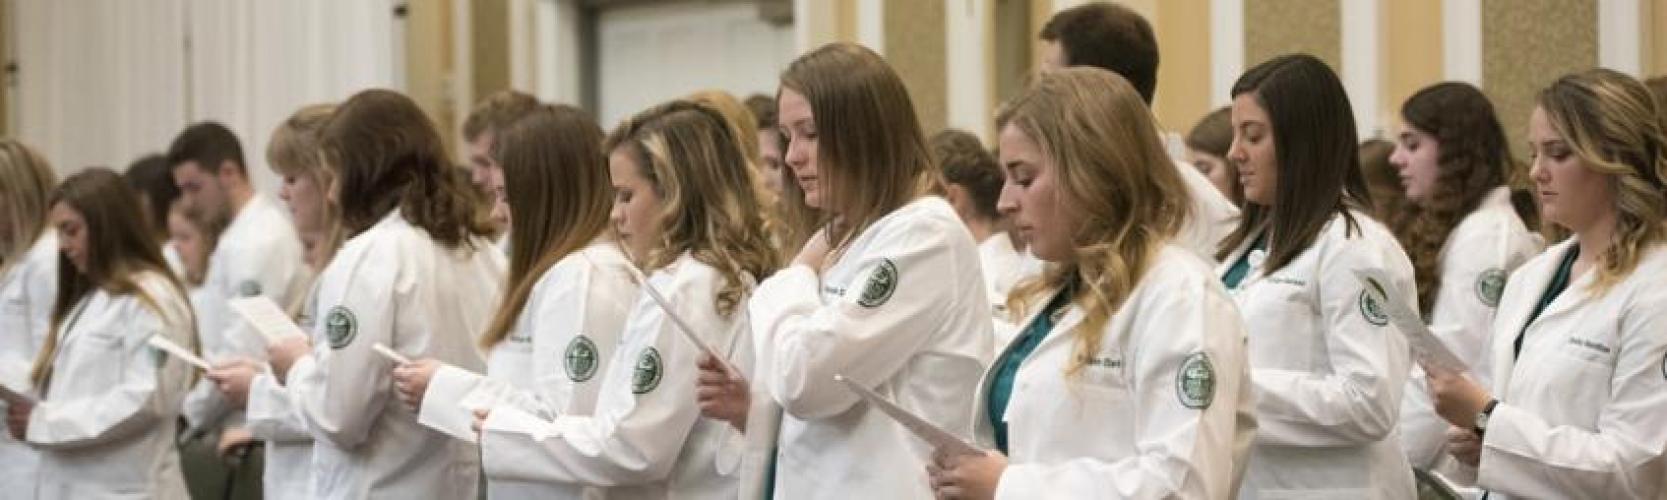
{"x": 685, "y": 211}
{"x": 28, "y": 284}
{"x": 1132, "y": 353}
{"x": 269, "y": 413}
{"x": 1578, "y": 403}
{"x": 102, "y": 390}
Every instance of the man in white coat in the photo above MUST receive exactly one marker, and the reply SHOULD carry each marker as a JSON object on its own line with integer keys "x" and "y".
{"x": 256, "y": 253}
{"x": 1113, "y": 37}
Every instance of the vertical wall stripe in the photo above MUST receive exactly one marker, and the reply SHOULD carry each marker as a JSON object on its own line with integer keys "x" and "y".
{"x": 1620, "y": 37}
{"x": 1226, "y": 48}
{"x": 1361, "y": 60}
{"x": 1461, "y": 29}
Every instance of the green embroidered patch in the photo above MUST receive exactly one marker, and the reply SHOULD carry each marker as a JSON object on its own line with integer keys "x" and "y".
{"x": 647, "y": 374}
{"x": 340, "y": 326}
{"x": 880, "y": 285}
{"x": 1490, "y": 285}
{"x": 581, "y": 359}
{"x": 1370, "y": 308}
{"x": 1195, "y": 383}
{"x": 249, "y": 288}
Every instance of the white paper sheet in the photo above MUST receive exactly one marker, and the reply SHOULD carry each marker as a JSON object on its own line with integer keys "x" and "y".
{"x": 683, "y": 327}
{"x": 1429, "y": 350}
{"x": 389, "y": 353}
{"x": 941, "y": 440}
{"x": 265, "y": 315}
{"x": 171, "y": 348}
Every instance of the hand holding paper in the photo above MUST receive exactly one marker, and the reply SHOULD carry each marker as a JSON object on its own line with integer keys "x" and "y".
{"x": 1428, "y": 349}
{"x": 941, "y": 440}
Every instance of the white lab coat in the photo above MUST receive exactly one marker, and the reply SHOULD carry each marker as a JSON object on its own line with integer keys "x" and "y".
{"x": 27, "y": 291}
{"x": 394, "y": 285}
{"x": 258, "y": 254}
{"x": 646, "y": 438}
{"x": 1477, "y": 257}
{"x": 1583, "y": 411}
{"x": 1003, "y": 267}
{"x": 1328, "y": 379}
{"x": 272, "y": 416}
{"x": 105, "y": 424}
{"x": 1211, "y": 218}
{"x": 1126, "y": 426}
{"x": 922, "y": 341}
{"x": 552, "y": 361}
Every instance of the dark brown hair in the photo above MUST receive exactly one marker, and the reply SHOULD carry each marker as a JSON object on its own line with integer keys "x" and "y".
{"x": 1473, "y": 158}
{"x": 1315, "y": 150}
{"x": 1111, "y": 37}
{"x": 119, "y": 247}
{"x": 208, "y": 144}
{"x": 965, "y": 162}
{"x": 386, "y": 155}
{"x": 497, "y": 112}
{"x": 556, "y": 185}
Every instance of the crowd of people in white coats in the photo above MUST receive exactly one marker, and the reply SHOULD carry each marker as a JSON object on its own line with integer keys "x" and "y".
{"x": 688, "y": 306}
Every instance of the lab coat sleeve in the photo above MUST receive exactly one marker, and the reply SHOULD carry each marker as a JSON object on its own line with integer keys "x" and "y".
{"x": 1462, "y": 317}
{"x": 1525, "y": 456}
{"x": 573, "y": 299}
{"x": 147, "y": 395}
{"x": 632, "y": 438}
{"x": 1359, "y": 400}
{"x": 808, "y": 342}
{"x": 267, "y": 266}
{"x": 342, "y": 386}
{"x": 42, "y": 291}
{"x": 270, "y": 414}
{"x": 1180, "y": 452}
{"x": 1211, "y": 217}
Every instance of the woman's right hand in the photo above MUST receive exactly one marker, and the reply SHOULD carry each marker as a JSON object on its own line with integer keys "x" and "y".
{"x": 721, "y": 394}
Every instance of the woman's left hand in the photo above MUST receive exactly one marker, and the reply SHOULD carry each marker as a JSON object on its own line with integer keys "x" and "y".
{"x": 411, "y": 381}
{"x": 1458, "y": 399}
{"x": 970, "y": 477}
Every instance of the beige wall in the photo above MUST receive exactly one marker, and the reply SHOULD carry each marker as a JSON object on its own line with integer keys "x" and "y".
{"x": 914, "y": 46}
{"x": 1278, "y": 27}
{"x": 1522, "y": 53}
{"x": 5, "y": 93}
{"x": 1411, "y": 51}
{"x": 1183, "y": 30}
{"x": 1657, "y": 32}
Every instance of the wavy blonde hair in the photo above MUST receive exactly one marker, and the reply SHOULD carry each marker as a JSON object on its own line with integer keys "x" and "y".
{"x": 25, "y": 181}
{"x": 709, "y": 207}
{"x": 1612, "y": 123}
{"x": 1114, "y": 176}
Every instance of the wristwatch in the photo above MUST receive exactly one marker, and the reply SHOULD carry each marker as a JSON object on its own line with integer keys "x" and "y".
{"x": 1482, "y": 418}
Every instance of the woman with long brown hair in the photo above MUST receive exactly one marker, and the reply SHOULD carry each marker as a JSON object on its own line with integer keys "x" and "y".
{"x": 888, "y": 294}
{"x": 1131, "y": 353}
{"x": 1578, "y": 403}
{"x": 417, "y": 275}
{"x": 566, "y": 299}
{"x": 103, "y": 390}
{"x": 28, "y": 284}
{"x": 686, "y": 214}
{"x": 1464, "y": 235}
{"x": 1327, "y": 367}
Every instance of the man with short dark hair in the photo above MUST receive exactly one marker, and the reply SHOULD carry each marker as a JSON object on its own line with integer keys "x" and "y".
{"x": 1117, "y": 39}
{"x": 257, "y": 253}
{"x": 481, "y": 129}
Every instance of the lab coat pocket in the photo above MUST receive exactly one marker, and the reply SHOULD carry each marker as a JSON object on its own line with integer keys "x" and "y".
{"x": 96, "y": 361}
